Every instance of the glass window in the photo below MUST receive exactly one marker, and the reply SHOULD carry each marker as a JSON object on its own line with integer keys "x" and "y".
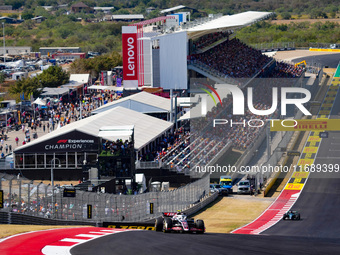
{"x": 71, "y": 159}
{"x": 29, "y": 160}
{"x": 41, "y": 160}
{"x": 19, "y": 160}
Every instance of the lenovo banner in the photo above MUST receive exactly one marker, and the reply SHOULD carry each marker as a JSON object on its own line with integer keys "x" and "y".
{"x": 130, "y": 63}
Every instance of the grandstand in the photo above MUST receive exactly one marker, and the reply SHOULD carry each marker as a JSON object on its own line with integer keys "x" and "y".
{"x": 168, "y": 53}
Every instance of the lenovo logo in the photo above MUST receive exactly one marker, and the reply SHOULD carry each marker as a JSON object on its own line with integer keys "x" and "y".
{"x": 131, "y": 56}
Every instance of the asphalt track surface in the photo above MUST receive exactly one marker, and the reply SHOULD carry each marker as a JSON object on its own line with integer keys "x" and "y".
{"x": 151, "y": 242}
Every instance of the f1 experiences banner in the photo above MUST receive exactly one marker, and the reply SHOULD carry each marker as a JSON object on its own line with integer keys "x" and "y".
{"x": 69, "y": 142}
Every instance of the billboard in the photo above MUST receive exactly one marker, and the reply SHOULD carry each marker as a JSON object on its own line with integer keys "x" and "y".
{"x": 68, "y": 142}
{"x": 130, "y": 59}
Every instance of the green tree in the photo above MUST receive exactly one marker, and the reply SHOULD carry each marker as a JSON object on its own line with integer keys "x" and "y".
{"x": 27, "y": 15}
{"x": 53, "y": 77}
{"x": 2, "y": 77}
{"x": 286, "y": 15}
{"x": 26, "y": 86}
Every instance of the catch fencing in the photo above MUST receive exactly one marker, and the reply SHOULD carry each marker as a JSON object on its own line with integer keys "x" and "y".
{"x": 36, "y": 199}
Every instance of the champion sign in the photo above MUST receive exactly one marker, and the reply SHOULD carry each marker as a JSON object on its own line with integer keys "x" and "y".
{"x": 130, "y": 63}
{"x": 69, "y": 144}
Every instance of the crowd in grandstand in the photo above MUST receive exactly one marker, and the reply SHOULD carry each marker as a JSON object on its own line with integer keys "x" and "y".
{"x": 233, "y": 58}
{"x": 209, "y": 39}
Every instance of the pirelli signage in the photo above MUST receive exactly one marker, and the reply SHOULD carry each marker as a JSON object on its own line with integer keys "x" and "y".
{"x": 305, "y": 125}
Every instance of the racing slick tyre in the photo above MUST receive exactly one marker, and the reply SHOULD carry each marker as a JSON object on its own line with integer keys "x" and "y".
{"x": 199, "y": 224}
{"x": 159, "y": 224}
{"x": 167, "y": 224}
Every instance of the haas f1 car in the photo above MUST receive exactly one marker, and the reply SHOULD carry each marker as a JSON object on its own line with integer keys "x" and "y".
{"x": 178, "y": 222}
{"x": 291, "y": 215}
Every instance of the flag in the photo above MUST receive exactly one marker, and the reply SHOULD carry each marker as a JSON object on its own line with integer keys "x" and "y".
{"x": 9, "y": 119}
{"x": 49, "y": 103}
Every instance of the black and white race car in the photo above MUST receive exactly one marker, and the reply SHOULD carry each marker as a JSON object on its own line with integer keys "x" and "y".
{"x": 178, "y": 222}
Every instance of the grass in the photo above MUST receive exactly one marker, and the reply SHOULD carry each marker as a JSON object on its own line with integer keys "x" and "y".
{"x": 229, "y": 213}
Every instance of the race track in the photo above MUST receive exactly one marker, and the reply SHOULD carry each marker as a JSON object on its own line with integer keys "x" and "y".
{"x": 319, "y": 203}
{"x": 150, "y": 242}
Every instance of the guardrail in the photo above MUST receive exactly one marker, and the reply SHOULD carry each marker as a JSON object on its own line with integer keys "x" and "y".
{"x": 22, "y": 219}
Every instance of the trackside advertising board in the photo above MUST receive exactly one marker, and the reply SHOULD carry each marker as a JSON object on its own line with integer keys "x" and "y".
{"x": 130, "y": 60}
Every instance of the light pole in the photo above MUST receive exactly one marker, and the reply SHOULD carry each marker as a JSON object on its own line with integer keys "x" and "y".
{"x": 52, "y": 182}
{"x": 3, "y": 34}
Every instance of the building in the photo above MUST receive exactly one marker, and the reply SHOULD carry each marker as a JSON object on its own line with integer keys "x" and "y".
{"x": 127, "y": 17}
{"x": 6, "y": 7}
{"x": 104, "y": 9}
{"x": 80, "y": 140}
{"x": 68, "y": 56}
{"x": 16, "y": 50}
{"x": 11, "y": 20}
{"x": 81, "y": 7}
{"x": 156, "y": 51}
{"x": 48, "y": 51}
{"x": 38, "y": 19}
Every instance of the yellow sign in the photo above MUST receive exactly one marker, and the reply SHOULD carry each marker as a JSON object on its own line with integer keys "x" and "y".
{"x": 303, "y": 162}
{"x": 305, "y": 125}
{"x": 329, "y": 50}
{"x": 310, "y": 149}
{"x": 314, "y": 139}
{"x": 294, "y": 186}
{"x": 1, "y": 199}
{"x": 300, "y": 175}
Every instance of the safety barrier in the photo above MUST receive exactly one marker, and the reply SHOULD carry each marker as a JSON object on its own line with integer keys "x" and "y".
{"x": 24, "y": 197}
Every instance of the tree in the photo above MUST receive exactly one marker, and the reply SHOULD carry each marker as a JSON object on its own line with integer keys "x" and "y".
{"x": 286, "y": 15}
{"x": 53, "y": 77}
{"x": 2, "y": 77}
{"x": 27, "y": 15}
{"x": 26, "y": 86}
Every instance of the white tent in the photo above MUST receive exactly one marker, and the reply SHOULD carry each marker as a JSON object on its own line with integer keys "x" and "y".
{"x": 39, "y": 101}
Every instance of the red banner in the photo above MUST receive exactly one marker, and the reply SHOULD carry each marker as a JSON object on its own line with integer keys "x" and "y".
{"x": 129, "y": 44}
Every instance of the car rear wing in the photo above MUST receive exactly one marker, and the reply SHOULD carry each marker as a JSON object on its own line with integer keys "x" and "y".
{"x": 169, "y": 214}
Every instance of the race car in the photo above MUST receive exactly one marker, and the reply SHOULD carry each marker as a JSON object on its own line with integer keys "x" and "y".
{"x": 178, "y": 222}
{"x": 291, "y": 215}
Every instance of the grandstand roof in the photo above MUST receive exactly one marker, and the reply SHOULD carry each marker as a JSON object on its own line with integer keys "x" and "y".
{"x": 150, "y": 21}
{"x": 143, "y": 102}
{"x": 230, "y": 22}
{"x": 146, "y": 128}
